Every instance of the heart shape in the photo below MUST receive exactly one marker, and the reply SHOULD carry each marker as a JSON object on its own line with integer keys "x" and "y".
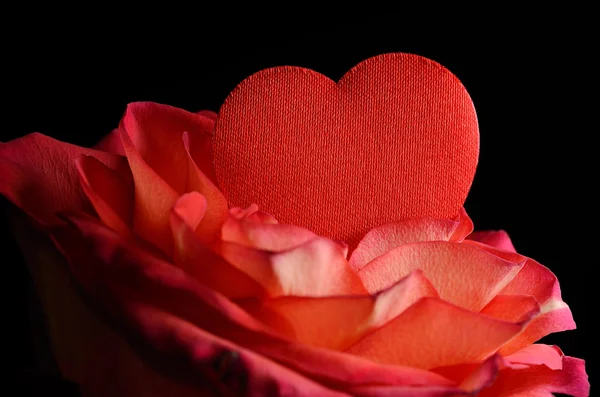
{"x": 396, "y": 138}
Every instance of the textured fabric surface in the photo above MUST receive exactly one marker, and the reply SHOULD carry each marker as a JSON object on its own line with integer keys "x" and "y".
{"x": 396, "y": 138}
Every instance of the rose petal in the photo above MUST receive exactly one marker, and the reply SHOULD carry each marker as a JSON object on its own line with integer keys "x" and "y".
{"x": 346, "y": 370}
{"x": 199, "y": 261}
{"x": 538, "y": 281}
{"x": 541, "y": 381}
{"x": 482, "y": 376}
{"x": 256, "y": 264}
{"x": 555, "y": 316}
{"x": 313, "y": 269}
{"x": 228, "y": 367}
{"x": 316, "y": 321}
{"x": 538, "y": 354}
{"x": 210, "y": 226}
{"x": 462, "y": 274}
{"x": 496, "y": 238}
{"x": 208, "y": 113}
{"x": 408, "y": 391}
{"x": 87, "y": 351}
{"x": 331, "y": 322}
{"x": 156, "y": 131}
{"x": 252, "y": 213}
{"x": 111, "y": 143}
{"x": 110, "y": 193}
{"x": 548, "y": 321}
{"x": 533, "y": 279}
{"x": 384, "y": 238}
{"x": 154, "y": 199}
{"x": 316, "y": 268}
{"x": 435, "y": 333}
{"x": 513, "y": 308}
{"x": 391, "y": 302}
{"x": 96, "y": 259}
{"x": 190, "y": 209}
{"x": 472, "y": 378}
{"x": 166, "y": 137}
{"x": 473, "y": 375}
{"x": 38, "y": 174}
{"x": 241, "y": 213}
{"x": 464, "y": 227}
{"x": 246, "y": 228}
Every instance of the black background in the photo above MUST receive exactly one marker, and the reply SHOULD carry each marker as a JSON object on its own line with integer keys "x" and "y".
{"x": 532, "y": 89}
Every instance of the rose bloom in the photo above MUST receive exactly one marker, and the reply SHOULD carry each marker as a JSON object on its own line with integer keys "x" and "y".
{"x": 152, "y": 286}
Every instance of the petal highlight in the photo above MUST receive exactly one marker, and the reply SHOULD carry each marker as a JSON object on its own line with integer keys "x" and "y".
{"x": 463, "y": 275}
{"x": 248, "y": 227}
{"x": 435, "y": 333}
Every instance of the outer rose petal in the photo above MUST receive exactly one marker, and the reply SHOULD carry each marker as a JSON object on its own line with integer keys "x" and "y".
{"x": 555, "y": 316}
{"x": 482, "y": 376}
{"x": 98, "y": 258}
{"x": 469, "y": 384}
{"x": 465, "y": 374}
{"x": 435, "y": 333}
{"x": 464, "y": 227}
{"x": 239, "y": 371}
{"x": 110, "y": 193}
{"x": 462, "y": 274}
{"x": 111, "y": 143}
{"x": 208, "y": 113}
{"x": 519, "y": 375}
{"x": 497, "y": 239}
{"x": 545, "y": 323}
{"x": 383, "y": 239}
{"x": 86, "y": 350}
{"x": 541, "y": 381}
{"x": 533, "y": 279}
{"x": 513, "y": 308}
{"x": 38, "y": 174}
{"x": 408, "y": 391}
{"x": 538, "y": 281}
{"x": 538, "y": 354}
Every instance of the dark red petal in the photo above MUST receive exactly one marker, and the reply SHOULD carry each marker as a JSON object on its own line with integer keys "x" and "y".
{"x": 38, "y": 174}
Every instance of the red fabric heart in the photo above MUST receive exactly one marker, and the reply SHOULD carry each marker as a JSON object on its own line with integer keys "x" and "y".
{"x": 396, "y": 138}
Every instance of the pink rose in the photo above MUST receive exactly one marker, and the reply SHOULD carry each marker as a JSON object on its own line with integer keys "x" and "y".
{"x": 153, "y": 287}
